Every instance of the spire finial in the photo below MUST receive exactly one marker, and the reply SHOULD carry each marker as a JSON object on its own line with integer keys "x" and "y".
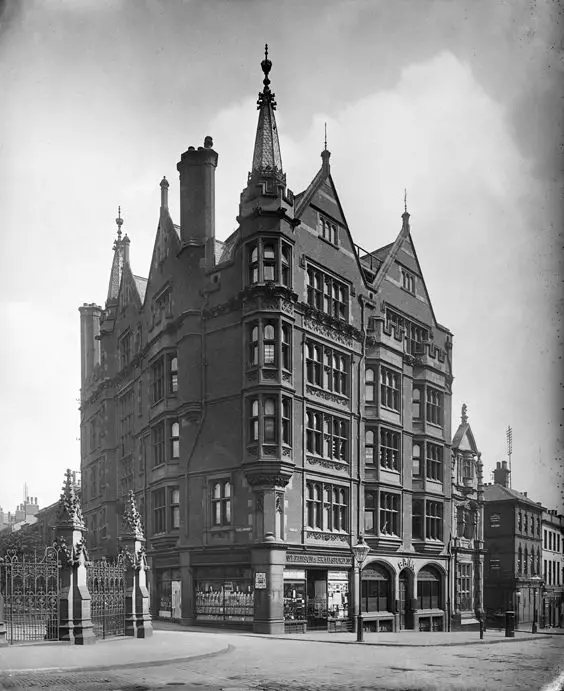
{"x": 119, "y": 222}
{"x": 464, "y": 413}
{"x": 325, "y": 147}
{"x": 405, "y": 200}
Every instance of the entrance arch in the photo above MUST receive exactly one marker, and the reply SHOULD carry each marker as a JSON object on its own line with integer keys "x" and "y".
{"x": 405, "y": 597}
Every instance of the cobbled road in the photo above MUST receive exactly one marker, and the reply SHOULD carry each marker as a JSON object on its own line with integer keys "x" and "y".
{"x": 284, "y": 665}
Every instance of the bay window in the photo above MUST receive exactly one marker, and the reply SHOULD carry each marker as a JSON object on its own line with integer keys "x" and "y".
{"x": 269, "y": 260}
{"x": 270, "y": 417}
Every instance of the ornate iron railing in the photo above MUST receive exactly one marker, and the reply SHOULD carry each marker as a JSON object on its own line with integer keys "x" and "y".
{"x": 106, "y": 584}
{"x": 30, "y": 587}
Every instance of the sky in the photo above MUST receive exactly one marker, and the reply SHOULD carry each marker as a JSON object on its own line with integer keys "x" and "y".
{"x": 459, "y": 102}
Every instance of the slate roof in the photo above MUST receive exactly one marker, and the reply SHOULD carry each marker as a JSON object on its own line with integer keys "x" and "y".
{"x": 141, "y": 284}
{"x": 498, "y": 492}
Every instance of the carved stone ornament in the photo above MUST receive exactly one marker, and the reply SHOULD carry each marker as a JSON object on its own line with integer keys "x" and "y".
{"x": 327, "y": 396}
{"x": 287, "y": 307}
{"x": 132, "y": 525}
{"x": 259, "y": 503}
{"x": 279, "y": 502}
{"x": 268, "y": 480}
{"x": 287, "y": 377}
{"x": 324, "y": 463}
{"x": 69, "y": 512}
{"x": 326, "y": 537}
{"x": 70, "y": 555}
{"x": 328, "y": 332}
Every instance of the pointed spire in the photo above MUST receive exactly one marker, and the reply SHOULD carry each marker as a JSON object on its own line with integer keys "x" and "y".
{"x": 266, "y": 156}
{"x": 121, "y": 254}
{"x": 131, "y": 519}
{"x": 69, "y": 513}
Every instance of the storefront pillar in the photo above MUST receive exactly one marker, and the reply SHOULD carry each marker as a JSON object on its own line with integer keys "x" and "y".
{"x": 268, "y": 559}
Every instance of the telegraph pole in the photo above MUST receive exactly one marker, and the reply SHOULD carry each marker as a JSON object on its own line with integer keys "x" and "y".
{"x": 509, "y": 437}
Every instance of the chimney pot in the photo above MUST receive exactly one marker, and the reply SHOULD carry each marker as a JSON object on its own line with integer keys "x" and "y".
{"x": 498, "y": 465}
{"x": 504, "y": 464}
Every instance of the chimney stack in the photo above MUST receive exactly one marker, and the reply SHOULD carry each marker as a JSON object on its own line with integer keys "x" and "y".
{"x": 501, "y": 474}
{"x": 89, "y": 339}
{"x": 197, "y": 198}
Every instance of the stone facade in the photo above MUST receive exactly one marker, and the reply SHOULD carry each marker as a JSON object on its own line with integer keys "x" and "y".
{"x": 268, "y": 399}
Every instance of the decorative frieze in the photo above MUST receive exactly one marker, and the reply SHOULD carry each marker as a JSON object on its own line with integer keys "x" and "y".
{"x": 326, "y": 463}
{"x": 326, "y": 537}
{"x": 327, "y": 396}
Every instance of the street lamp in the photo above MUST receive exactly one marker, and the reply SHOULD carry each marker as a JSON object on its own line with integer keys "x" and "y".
{"x": 360, "y": 552}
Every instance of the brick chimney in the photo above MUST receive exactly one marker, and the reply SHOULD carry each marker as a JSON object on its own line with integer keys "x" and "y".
{"x": 197, "y": 197}
{"x": 501, "y": 474}
{"x": 89, "y": 339}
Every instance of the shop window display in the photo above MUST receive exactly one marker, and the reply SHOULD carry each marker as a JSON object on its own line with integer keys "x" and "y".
{"x": 224, "y": 599}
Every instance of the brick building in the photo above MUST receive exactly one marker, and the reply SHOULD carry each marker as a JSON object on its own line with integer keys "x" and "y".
{"x": 512, "y": 539}
{"x": 269, "y": 398}
{"x": 552, "y": 556}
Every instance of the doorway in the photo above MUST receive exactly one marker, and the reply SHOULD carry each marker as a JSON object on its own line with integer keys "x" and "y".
{"x": 316, "y": 606}
{"x": 404, "y": 600}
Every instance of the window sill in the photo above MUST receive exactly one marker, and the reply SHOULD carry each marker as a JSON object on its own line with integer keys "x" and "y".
{"x": 328, "y": 242}
{"x": 391, "y": 410}
{"x": 395, "y": 471}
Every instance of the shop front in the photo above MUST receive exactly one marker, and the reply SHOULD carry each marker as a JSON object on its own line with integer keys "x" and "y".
{"x": 167, "y": 594}
{"x": 316, "y": 596}
{"x": 224, "y": 595}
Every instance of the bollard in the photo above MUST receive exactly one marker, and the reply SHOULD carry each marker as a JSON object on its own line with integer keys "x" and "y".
{"x": 510, "y": 624}
{"x": 481, "y": 629}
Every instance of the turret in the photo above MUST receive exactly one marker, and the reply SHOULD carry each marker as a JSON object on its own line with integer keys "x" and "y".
{"x": 89, "y": 339}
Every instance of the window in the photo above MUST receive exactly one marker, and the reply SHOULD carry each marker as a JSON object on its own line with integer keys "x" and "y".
{"x": 389, "y": 449}
{"x": 520, "y": 560}
{"x": 124, "y": 349}
{"x": 158, "y": 444}
{"x": 467, "y": 468}
{"x": 314, "y": 432}
{"x": 370, "y": 509}
{"x": 428, "y": 588}
{"x": 313, "y": 363}
{"x": 433, "y": 520}
{"x": 269, "y": 260}
{"x": 526, "y": 523}
{"x": 389, "y": 514}
{"x": 327, "y": 367}
{"x": 416, "y": 460}
{"x": 376, "y": 589}
{"x": 369, "y": 447}
{"x": 270, "y": 419}
{"x": 416, "y": 404}
{"x": 526, "y": 561}
{"x": 336, "y": 438}
{"x": 465, "y": 599}
{"x": 269, "y": 344}
{"x": 434, "y": 407}
{"x": 159, "y": 511}
{"x": 157, "y": 380}
{"x": 326, "y": 507}
{"x": 407, "y": 281}
{"x": 414, "y": 334}
{"x": 381, "y": 513}
{"x": 221, "y": 503}
{"x": 327, "y": 294}
{"x": 328, "y": 230}
{"x": 545, "y": 535}
{"x": 125, "y": 408}
{"x": 389, "y": 389}
{"x": 417, "y": 519}
{"x": 174, "y": 507}
{"x": 550, "y": 541}
{"x": 434, "y": 462}
{"x": 172, "y": 374}
{"x": 175, "y": 440}
{"x": 370, "y": 386}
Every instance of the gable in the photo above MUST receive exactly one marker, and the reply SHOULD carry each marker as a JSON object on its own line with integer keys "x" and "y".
{"x": 165, "y": 250}
{"x": 128, "y": 291}
{"x": 326, "y": 201}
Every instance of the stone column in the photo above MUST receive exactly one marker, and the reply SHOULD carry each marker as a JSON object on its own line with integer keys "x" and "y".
{"x": 269, "y": 559}
{"x": 75, "y": 623}
{"x": 132, "y": 548}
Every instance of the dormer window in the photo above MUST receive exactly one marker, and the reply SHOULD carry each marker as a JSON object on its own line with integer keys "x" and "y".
{"x": 328, "y": 230}
{"x": 408, "y": 281}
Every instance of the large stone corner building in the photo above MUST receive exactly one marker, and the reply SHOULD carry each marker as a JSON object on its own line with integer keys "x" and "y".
{"x": 269, "y": 398}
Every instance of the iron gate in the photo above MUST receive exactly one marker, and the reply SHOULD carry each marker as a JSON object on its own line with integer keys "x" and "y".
{"x": 30, "y": 587}
{"x": 106, "y": 584}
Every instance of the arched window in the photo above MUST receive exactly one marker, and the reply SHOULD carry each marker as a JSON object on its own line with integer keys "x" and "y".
{"x": 254, "y": 345}
{"x": 253, "y": 265}
{"x": 416, "y": 409}
{"x": 314, "y": 422}
{"x": 369, "y": 447}
{"x": 526, "y": 561}
{"x": 254, "y": 420}
{"x": 416, "y": 456}
{"x": 376, "y": 589}
{"x": 269, "y": 344}
{"x": 175, "y": 440}
{"x": 269, "y": 420}
{"x": 429, "y": 588}
{"x": 269, "y": 262}
{"x": 519, "y": 559}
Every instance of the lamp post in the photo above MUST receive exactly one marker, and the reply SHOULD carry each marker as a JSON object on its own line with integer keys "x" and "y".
{"x": 360, "y": 552}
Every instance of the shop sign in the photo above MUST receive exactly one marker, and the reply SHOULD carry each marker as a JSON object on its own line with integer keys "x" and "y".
{"x": 318, "y": 559}
{"x": 294, "y": 574}
{"x": 337, "y": 576}
{"x": 260, "y": 581}
{"x": 406, "y": 564}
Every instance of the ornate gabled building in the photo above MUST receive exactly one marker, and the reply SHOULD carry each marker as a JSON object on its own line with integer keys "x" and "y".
{"x": 269, "y": 398}
{"x": 467, "y": 545}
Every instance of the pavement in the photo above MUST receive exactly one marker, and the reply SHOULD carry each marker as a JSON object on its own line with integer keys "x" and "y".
{"x": 173, "y": 643}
